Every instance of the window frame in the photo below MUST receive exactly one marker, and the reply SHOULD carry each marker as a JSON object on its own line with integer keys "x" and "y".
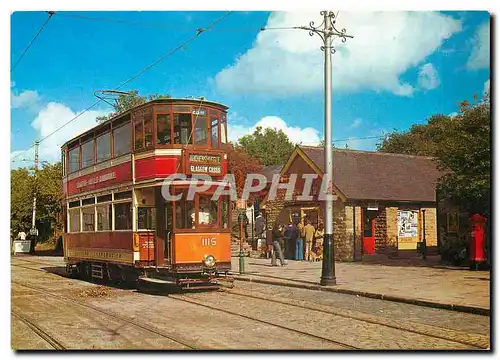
{"x": 96, "y": 147}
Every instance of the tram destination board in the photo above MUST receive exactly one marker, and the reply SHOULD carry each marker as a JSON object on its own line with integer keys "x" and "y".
{"x": 203, "y": 163}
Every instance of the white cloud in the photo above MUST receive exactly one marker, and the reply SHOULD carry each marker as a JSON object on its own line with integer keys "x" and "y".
{"x": 480, "y": 55}
{"x": 27, "y": 99}
{"x": 486, "y": 88}
{"x": 428, "y": 77}
{"x": 385, "y": 45}
{"x": 53, "y": 116}
{"x": 307, "y": 135}
{"x": 356, "y": 123}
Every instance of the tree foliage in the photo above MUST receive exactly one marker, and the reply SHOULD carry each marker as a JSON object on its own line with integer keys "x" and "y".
{"x": 241, "y": 164}
{"x": 461, "y": 146}
{"x": 270, "y": 146}
{"x": 48, "y": 189}
{"x": 125, "y": 102}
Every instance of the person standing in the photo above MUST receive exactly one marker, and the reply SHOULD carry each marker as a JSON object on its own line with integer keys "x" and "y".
{"x": 318, "y": 237}
{"x": 21, "y": 235}
{"x": 299, "y": 251}
{"x": 309, "y": 236}
{"x": 276, "y": 246}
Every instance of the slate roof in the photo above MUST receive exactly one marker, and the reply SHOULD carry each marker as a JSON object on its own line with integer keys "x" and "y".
{"x": 370, "y": 175}
{"x": 270, "y": 170}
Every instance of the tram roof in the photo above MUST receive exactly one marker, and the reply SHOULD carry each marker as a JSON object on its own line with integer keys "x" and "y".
{"x": 156, "y": 101}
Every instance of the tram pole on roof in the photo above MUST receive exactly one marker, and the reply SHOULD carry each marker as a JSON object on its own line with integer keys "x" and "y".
{"x": 327, "y": 32}
{"x": 33, "y": 230}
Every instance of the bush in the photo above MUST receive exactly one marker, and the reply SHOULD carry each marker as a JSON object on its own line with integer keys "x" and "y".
{"x": 455, "y": 249}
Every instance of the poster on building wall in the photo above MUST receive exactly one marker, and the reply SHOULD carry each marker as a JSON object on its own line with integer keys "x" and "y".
{"x": 407, "y": 224}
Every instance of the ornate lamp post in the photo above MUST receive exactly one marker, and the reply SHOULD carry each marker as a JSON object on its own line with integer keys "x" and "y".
{"x": 327, "y": 32}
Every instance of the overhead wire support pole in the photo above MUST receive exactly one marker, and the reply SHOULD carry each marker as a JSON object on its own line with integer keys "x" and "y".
{"x": 33, "y": 230}
{"x": 327, "y": 32}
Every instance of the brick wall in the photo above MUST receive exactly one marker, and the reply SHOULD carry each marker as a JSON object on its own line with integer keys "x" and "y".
{"x": 343, "y": 243}
{"x": 391, "y": 216}
{"x": 350, "y": 233}
{"x": 430, "y": 226}
{"x": 381, "y": 243}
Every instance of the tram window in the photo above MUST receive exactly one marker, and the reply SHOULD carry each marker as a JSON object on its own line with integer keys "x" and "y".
{"x": 88, "y": 201}
{"x": 139, "y": 136}
{"x": 88, "y": 217}
{"x": 223, "y": 138}
{"x": 207, "y": 210}
{"x": 122, "y": 140}
{"x": 103, "y": 147}
{"x": 184, "y": 214}
{"x": 123, "y": 216}
{"x": 214, "y": 131}
{"x": 73, "y": 159}
{"x": 87, "y": 154}
{"x": 74, "y": 220}
{"x": 163, "y": 128}
{"x": 104, "y": 198}
{"x": 103, "y": 217}
{"x": 146, "y": 218}
{"x": 182, "y": 128}
{"x": 63, "y": 161}
{"x": 74, "y": 204}
{"x": 200, "y": 130}
{"x": 225, "y": 212}
{"x": 123, "y": 195}
{"x": 148, "y": 131}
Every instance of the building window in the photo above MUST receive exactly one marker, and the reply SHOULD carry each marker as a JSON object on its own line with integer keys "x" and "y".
{"x": 73, "y": 159}
{"x": 123, "y": 216}
{"x": 163, "y": 127}
{"x": 146, "y": 218}
{"x": 103, "y": 144}
{"x": 148, "y": 131}
{"x": 88, "y": 218}
{"x": 122, "y": 140}
{"x": 104, "y": 217}
{"x": 139, "y": 136}
{"x": 87, "y": 154}
{"x": 200, "y": 131}
{"x": 207, "y": 210}
{"x": 214, "y": 131}
{"x": 74, "y": 220}
{"x": 182, "y": 128}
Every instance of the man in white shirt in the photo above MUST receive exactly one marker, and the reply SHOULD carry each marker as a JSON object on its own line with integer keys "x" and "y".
{"x": 21, "y": 235}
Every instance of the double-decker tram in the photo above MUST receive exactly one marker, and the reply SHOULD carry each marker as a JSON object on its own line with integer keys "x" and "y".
{"x": 128, "y": 218}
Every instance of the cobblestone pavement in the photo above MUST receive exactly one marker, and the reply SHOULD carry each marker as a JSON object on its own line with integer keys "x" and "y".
{"x": 62, "y": 307}
{"x": 440, "y": 285}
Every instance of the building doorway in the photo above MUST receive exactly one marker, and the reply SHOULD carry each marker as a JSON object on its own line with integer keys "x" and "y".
{"x": 369, "y": 223}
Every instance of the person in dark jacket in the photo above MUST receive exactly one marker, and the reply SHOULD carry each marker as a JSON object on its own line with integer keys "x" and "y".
{"x": 276, "y": 246}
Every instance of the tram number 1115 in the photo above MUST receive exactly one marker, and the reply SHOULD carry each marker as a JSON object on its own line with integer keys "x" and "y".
{"x": 208, "y": 241}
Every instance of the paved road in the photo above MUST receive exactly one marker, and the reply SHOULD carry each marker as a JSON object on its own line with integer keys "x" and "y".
{"x": 51, "y": 311}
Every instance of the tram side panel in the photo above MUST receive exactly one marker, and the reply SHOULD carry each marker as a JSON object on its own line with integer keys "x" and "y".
{"x": 192, "y": 248}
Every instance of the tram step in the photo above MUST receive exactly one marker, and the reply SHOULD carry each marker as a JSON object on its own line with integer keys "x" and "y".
{"x": 97, "y": 271}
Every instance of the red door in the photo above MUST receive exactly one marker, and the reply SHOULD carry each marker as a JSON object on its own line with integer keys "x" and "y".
{"x": 369, "y": 231}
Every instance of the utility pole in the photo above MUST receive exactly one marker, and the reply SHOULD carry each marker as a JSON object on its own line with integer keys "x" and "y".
{"x": 327, "y": 32}
{"x": 34, "y": 230}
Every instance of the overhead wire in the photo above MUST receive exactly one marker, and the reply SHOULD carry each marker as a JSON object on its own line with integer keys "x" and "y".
{"x": 51, "y": 13}
{"x": 160, "y": 59}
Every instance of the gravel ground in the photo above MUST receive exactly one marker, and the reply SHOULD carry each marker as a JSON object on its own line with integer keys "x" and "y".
{"x": 192, "y": 320}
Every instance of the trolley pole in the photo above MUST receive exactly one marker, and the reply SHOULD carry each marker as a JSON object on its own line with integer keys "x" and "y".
{"x": 33, "y": 230}
{"x": 327, "y": 32}
{"x": 241, "y": 221}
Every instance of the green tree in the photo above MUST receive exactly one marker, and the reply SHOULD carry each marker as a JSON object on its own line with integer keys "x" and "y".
{"x": 270, "y": 146}
{"x": 125, "y": 102}
{"x": 48, "y": 188}
{"x": 461, "y": 146}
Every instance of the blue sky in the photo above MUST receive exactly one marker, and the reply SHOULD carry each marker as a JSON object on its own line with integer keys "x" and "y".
{"x": 399, "y": 69}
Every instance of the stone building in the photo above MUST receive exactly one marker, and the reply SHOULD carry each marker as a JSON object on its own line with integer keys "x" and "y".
{"x": 382, "y": 200}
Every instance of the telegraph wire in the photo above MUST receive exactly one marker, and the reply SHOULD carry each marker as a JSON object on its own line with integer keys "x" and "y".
{"x": 160, "y": 26}
{"x": 51, "y": 13}
{"x": 163, "y": 57}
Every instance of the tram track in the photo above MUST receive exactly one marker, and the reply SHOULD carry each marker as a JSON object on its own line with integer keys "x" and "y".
{"x": 476, "y": 340}
{"x": 177, "y": 339}
{"x": 37, "y": 330}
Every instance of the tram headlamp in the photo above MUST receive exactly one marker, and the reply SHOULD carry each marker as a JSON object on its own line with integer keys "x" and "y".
{"x": 209, "y": 261}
